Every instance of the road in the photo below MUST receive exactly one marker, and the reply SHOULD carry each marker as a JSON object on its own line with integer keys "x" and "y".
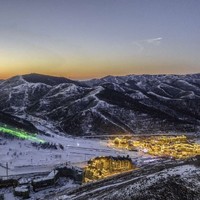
{"x": 25, "y": 170}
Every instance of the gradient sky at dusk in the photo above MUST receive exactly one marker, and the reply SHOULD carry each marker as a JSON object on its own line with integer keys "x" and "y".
{"x": 83, "y": 39}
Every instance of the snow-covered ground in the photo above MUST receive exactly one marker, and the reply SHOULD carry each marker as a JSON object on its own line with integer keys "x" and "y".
{"x": 22, "y": 157}
{"x": 64, "y": 185}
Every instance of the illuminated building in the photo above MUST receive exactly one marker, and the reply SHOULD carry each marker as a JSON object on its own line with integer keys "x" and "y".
{"x": 101, "y": 167}
{"x": 179, "y": 147}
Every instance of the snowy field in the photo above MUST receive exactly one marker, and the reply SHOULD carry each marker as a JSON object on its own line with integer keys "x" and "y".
{"x": 22, "y": 157}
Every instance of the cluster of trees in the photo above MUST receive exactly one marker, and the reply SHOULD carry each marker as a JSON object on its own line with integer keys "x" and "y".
{"x": 48, "y": 145}
{"x": 7, "y": 136}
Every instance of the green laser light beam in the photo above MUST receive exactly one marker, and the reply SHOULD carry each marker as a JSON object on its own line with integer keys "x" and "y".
{"x": 21, "y": 134}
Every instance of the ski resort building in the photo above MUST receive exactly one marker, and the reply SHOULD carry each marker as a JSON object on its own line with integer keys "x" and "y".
{"x": 101, "y": 167}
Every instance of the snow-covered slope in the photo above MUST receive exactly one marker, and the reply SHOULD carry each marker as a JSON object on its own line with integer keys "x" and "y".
{"x": 169, "y": 181}
{"x": 133, "y": 103}
{"x": 25, "y": 156}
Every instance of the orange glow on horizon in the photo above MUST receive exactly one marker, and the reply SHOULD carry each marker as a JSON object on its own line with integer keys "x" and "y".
{"x": 83, "y": 75}
{"x": 90, "y": 70}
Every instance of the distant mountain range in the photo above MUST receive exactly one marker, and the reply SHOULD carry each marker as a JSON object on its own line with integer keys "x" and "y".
{"x": 110, "y": 105}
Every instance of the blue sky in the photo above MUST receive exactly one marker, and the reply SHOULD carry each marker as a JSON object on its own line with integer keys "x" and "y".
{"x": 93, "y": 38}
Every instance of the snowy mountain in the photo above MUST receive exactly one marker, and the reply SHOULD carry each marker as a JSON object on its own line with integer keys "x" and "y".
{"x": 17, "y": 122}
{"x": 110, "y": 105}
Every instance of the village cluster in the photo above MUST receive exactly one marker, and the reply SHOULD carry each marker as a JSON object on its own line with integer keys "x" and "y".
{"x": 178, "y": 147}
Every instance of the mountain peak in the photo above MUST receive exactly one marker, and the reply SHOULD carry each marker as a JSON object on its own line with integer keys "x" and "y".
{"x": 47, "y": 79}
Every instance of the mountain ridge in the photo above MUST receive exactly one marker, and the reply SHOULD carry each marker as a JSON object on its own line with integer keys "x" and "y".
{"x": 112, "y": 104}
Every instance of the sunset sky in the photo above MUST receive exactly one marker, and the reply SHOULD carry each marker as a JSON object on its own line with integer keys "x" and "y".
{"x": 83, "y": 39}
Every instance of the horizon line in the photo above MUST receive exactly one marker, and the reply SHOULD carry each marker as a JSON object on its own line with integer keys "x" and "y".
{"x": 101, "y": 77}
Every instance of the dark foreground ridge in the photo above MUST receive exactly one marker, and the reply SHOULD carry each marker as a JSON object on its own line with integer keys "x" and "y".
{"x": 168, "y": 180}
